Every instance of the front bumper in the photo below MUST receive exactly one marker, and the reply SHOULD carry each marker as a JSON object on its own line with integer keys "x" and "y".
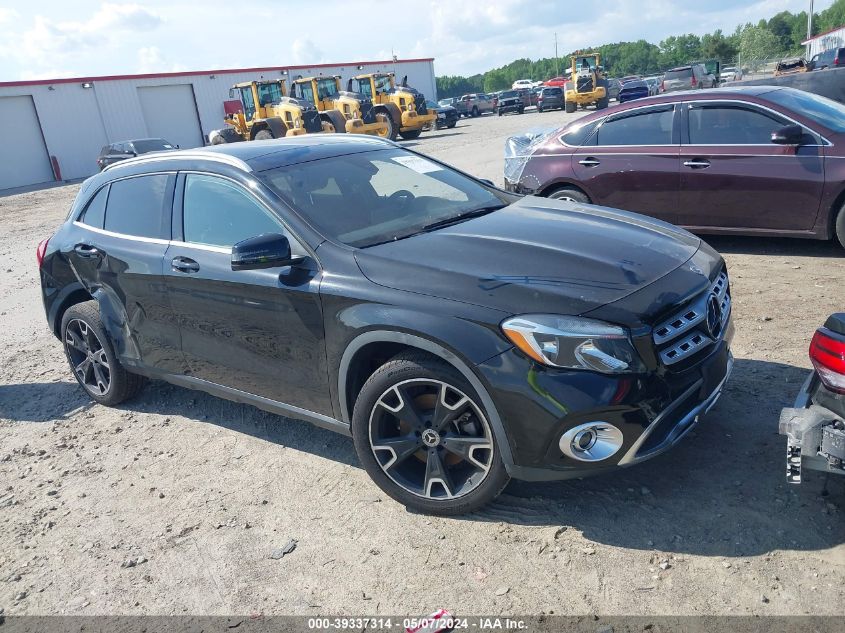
{"x": 510, "y": 107}
{"x": 815, "y": 434}
{"x": 357, "y": 126}
{"x": 537, "y": 405}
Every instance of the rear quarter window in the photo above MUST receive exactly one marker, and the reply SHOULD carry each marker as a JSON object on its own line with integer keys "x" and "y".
{"x": 95, "y": 212}
{"x": 140, "y": 206}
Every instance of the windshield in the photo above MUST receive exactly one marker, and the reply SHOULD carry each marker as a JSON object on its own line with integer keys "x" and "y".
{"x": 824, "y": 111}
{"x": 681, "y": 73}
{"x": 374, "y": 197}
{"x": 151, "y": 145}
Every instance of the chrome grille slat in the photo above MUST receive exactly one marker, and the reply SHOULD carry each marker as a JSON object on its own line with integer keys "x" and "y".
{"x": 686, "y": 332}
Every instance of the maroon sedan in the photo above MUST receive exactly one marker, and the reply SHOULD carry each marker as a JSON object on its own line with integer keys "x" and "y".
{"x": 759, "y": 160}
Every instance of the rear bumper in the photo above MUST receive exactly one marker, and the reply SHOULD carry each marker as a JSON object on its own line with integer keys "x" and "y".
{"x": 815, "y": 435}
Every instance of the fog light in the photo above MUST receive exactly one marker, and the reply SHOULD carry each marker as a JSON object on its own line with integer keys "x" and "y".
{"x": 591, "y": 442}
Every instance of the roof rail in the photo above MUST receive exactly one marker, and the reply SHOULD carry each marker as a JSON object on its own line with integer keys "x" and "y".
{"x": 182, "y": 155}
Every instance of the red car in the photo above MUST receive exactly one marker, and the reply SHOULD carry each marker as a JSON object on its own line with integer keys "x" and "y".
{"x": 758, "y": 160}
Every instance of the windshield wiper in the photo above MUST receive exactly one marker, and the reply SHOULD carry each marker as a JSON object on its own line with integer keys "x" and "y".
{"x": 466, "y": 215}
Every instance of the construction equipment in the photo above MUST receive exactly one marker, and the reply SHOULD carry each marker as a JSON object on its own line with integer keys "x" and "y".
{"x": 344, "y": 111}
{"x": 587, "y": 84}
{"x": 266, "y": 112}
{"x": 402, "y": 104}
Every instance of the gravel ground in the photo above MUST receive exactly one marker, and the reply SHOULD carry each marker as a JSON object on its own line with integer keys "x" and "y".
{"x": 174, "y": 502}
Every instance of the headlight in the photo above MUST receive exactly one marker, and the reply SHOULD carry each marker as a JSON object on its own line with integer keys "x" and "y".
{"x": 574, "y": 343}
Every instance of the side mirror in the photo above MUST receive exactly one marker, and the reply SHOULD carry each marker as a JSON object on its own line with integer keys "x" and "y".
{"x": 269, "y": 250}
{"x": 788, "y": 135}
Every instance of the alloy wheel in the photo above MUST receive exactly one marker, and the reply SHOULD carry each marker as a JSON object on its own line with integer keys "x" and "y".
{"x": 87, "y": 357}
{"x": 431, "y": 439}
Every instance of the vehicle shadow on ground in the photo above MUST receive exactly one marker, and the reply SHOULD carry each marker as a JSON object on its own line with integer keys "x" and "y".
{"x": 42, "y": 401}
{"x": 720, "y": 492}
{"x": 777, "y": 246}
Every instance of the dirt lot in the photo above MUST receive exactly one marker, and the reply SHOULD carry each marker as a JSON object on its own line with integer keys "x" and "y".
{"x": 173, "y": 503}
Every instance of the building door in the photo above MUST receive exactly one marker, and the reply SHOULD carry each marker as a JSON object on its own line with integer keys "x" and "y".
{"x": 171, "y": 113}
{"x": 23, "y": 153}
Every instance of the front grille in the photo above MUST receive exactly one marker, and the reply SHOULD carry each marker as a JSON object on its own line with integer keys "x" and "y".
{"x": 700, "y": 324}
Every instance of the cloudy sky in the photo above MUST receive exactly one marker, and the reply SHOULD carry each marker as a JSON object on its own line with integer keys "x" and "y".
{"x": 55, "y": 38}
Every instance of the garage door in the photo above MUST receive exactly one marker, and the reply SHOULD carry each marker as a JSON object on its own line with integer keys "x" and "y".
{"x": 24, "y": 156}
{"x": 171, "y": 113}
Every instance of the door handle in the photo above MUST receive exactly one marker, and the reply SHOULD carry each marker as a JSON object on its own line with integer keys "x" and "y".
{"x": 697, "y": 163}
{"x": 589, "y": 162}
{"x": 184, "y": 265}
{"x": 86, "y": 250}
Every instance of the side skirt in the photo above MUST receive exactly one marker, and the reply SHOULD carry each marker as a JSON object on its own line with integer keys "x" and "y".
{"x": 260, "y": 402}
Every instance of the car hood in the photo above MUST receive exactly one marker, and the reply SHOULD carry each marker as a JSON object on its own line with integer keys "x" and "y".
{"x": 536, "y": 255}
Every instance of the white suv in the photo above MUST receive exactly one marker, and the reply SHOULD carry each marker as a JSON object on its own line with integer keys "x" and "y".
{"x": 522, "y": 83}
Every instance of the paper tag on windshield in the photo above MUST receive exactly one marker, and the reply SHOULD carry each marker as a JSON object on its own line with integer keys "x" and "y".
{"x": 419, "y": 165}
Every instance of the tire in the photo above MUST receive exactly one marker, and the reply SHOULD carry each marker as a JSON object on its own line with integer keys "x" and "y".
{"x": 262, "y": 135}
{"x": 521, "y": 110}
{"x": 452, "y": 124}
{"x": 539, "y": 109}
{"x": 410, "y": 135}
{"x": 475, "y": 113}
{"x": 83, "y": 330}
{"x": 569, "y": 106}
{"x": 601, "y": 104}
{"x": 409, "y": 477}
{"x": 569, "y": 193}
{"x": 840, "y": 227}
{"x": 391, "y": 126}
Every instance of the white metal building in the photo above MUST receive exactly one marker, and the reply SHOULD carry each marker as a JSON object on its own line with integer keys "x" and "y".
{"x": 54, "y": 129}
{"x": 825, "y": 41}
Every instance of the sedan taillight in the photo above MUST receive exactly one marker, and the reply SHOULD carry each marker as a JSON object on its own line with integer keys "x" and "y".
{"x": 827, "y": 353}
{"x": 39, "y": 252}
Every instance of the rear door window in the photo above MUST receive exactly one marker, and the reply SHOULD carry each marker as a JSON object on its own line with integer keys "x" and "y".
{"x": 95, "y": 212}
{"x": 139, "y": 207}
{"x": 730, "y": 125}
{"x": 653, "y": 127}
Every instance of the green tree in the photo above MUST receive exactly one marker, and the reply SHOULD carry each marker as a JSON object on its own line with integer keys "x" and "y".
{"x": 831, "y": 18}
{"x": 757, "y": 43}
{"x": 716, "y": 46}
{"x": 681, "y": 49}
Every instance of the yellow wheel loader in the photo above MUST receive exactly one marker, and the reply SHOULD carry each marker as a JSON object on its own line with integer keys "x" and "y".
{"x": 344, "y": 111}
{"x": 404, "y": 105}
{"x": 587, "y": 84}
{"x": 266, "y": 112}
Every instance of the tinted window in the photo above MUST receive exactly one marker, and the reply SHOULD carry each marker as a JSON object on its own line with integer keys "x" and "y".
{"x": 217, "y": 212}
{"x": 826, "y": 112}
{"x": 578, "y": 135}
{"x": 683, "y": 73}
{"x": 729, "y": 125}
{"x": 151, "y": 145}
{"x": 95, "y": 212}
{"x": 269, "y": 93}
{"x": 372, "y": 197}
{"x": 649, "y": 128}
{"x": 136, "y": 206}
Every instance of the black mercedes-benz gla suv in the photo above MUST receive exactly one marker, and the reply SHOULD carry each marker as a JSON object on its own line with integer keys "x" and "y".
{"x": 460, "y": 334}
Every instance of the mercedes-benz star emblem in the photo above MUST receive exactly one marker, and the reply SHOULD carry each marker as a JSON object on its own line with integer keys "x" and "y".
{"x": 430, "y": 437}
{"x": 714, "y": 317}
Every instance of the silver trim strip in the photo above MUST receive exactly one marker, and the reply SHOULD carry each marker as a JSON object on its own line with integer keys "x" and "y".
{"x": 134, "y": 238}
{"x": 181, "y": 155}
{"x": 686, "y": 423}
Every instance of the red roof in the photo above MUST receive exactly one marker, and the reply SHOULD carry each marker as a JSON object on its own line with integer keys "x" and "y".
{"x": 815, "y": 37}
{"x": 67, "y": 80}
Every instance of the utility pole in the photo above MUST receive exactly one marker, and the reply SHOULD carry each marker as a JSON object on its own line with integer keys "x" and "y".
{"x": 557, "y": 63}
{"x": 810, "y": 21}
